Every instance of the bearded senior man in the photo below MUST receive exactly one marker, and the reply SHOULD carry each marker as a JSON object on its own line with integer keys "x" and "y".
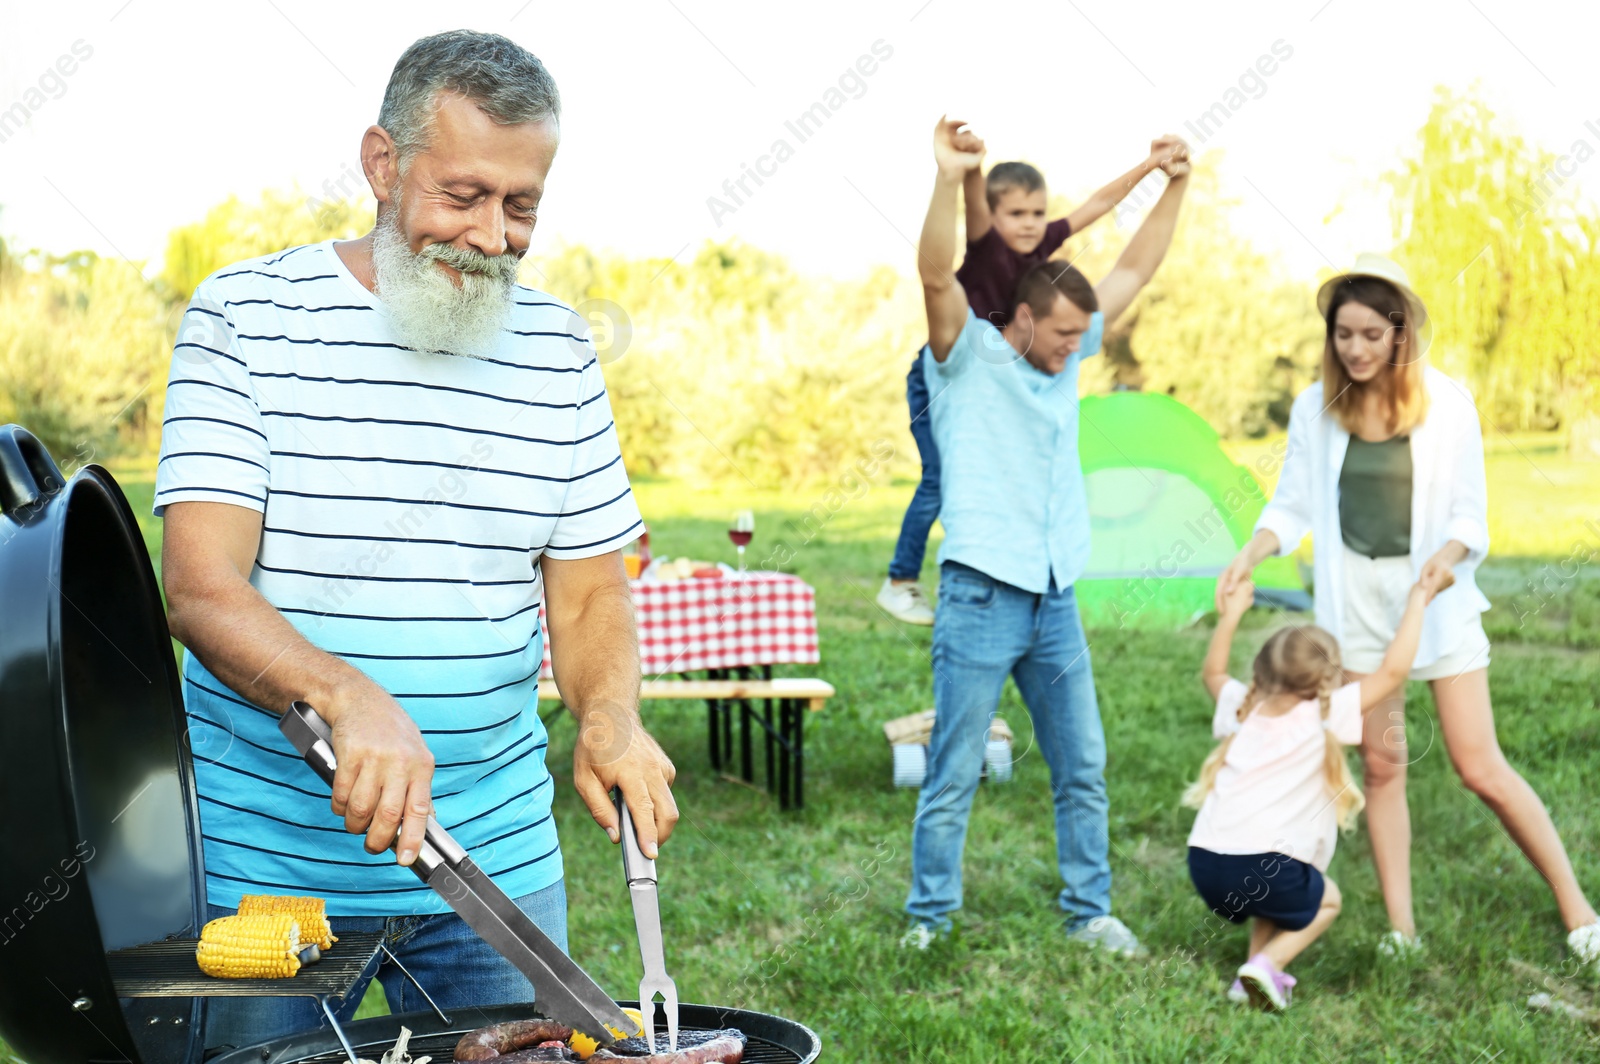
{"x": 379, "y": 457}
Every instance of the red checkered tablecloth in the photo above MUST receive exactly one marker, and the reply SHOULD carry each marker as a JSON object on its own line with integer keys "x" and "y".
{"x": 759, "y": 618}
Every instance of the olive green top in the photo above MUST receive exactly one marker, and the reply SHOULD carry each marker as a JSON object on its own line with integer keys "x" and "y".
{"x": 1375, "y": 497}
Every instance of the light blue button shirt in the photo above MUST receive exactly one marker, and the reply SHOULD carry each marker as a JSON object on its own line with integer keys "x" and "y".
{"x": 1013, "y": 501}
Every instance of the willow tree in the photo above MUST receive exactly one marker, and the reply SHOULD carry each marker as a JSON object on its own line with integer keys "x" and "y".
{"x": 1493, "y": 239}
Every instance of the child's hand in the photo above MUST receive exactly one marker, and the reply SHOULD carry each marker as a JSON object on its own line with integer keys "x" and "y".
{"x": 955, "y": 157}
{"x": 967, "y": 141}
{"x": 1434, "y": 579}
{"x": 1238, "y": 601}
{"x": 1168, "y": 150}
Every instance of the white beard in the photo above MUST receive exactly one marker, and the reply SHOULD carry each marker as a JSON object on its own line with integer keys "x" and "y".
{"x": 429, "y": 311}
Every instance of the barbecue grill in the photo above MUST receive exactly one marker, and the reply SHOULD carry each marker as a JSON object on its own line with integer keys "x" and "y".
{"x": 102, "y": 882}
{"x": 772, "y": 1040}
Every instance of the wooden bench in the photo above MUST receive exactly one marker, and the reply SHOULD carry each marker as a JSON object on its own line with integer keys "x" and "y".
{"x": 785, "y": 741}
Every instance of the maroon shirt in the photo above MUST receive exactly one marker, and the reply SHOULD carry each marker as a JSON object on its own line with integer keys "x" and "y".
{"x": 991, "y": 270}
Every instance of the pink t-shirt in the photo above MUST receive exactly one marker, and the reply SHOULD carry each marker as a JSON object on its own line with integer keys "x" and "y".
{"x": 1272, "y": 794}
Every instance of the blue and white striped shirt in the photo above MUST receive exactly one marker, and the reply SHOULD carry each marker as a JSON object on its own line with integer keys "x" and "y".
{"x": 406, "y": 499}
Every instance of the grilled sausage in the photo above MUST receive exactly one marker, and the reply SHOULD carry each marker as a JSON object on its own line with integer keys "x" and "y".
{"x": 694, "y": 1047}
{"x": 501, "y": 1039}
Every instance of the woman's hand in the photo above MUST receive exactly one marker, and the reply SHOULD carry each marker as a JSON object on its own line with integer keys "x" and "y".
{"x": 1261, "y": 545}
{"x": 1438, "y": 572}
{"x": 1238, "y": 601}
{"x": 1237, "y": 572}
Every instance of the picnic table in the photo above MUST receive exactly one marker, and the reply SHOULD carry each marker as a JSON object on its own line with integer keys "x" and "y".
{"x": 731, "y": 631}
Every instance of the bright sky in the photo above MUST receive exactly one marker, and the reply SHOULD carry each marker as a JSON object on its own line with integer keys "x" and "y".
{"x": 179, "y": 105}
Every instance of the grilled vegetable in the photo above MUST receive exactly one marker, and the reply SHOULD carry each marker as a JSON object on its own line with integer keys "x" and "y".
{"x": 582, "y": 1045}
{"x": 310, "y": 912}
{"x": 585, "y": 1046}
{"x": 250, "y": 947}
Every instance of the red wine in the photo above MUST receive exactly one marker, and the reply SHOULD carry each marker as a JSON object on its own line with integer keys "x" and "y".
{"x": 740, "y": 539}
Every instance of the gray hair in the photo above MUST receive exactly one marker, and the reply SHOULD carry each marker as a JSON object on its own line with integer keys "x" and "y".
{"x": 505, "y": 80}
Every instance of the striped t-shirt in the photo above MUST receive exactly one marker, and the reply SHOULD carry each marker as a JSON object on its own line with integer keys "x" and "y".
{"x": 407, "y": 499}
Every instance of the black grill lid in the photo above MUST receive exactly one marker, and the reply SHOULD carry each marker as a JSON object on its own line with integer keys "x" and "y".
{"x": 102, "y": 845}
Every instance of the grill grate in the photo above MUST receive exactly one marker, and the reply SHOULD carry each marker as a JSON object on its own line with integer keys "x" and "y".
{"x": 168, "y": 969}
{"x": 440, "y": 1047}
{"x": 772, "y": 1039}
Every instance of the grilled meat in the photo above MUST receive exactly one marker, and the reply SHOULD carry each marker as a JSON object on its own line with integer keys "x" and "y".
{"x": 502, "y": 1039}
{"x": 694, "y": 1047}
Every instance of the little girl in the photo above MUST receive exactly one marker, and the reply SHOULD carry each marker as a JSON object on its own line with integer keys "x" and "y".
{"x": 1275, "y": 791}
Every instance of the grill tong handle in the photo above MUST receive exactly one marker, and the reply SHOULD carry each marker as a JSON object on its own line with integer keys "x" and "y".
{"x": 313, "y": 739}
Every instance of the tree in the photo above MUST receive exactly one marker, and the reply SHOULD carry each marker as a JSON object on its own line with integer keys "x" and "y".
{"x": 234, "y": 230}
{"x": 83, "y": 343}
{"x": 1220, "y": 327}
{"x": 1487, "y": 229}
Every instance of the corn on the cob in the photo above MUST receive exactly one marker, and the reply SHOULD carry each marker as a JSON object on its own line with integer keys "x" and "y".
{"x": 250, "y": 947}
{"x": 310, "y": 912}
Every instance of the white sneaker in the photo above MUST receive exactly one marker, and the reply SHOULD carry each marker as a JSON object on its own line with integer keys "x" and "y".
{"x": 1397, "y": 946}
{"x": 1109, "y": 933}
{"x": 905, "y": 602}
{"x": 1584, "y": 942}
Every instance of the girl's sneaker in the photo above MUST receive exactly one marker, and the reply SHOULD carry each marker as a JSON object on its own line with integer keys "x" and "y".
{"x": 1237, "y": 993}
{"x": 1398, "y": 946}
{"x": 1264, "y": 984}
{"x": 1584, "y": 942}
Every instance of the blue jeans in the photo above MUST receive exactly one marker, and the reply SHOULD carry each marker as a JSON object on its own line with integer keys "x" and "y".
{"x": 459, "y": 970}
{"x": 983, "y": 630}
{"x": 924, "y": 508}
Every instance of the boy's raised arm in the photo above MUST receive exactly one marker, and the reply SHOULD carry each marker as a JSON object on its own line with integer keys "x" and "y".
{"x": 1138, "y": 261}
{"x": 945, "y": 299}
{"x": 974, "y": 189}
{"x": 975, "y": 197}
{"x": 1164, "y": 151}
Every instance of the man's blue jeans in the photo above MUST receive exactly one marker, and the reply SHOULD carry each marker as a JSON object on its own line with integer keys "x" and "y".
{"x": 458, "y": 969}
{"x": 983, "y": 630}
{"x": 924, "y": 507}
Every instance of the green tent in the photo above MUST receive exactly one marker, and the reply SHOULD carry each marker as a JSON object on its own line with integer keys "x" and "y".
{"x": 1168, "y": 509}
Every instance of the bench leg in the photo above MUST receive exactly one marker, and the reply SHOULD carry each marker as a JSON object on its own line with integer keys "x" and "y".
{"x": 772, "y": 779}
{"x": 799, "y": 754}
{"x": 727, "y": 734}
{"x": 711, "y": 716}
{"x": 745, "y": 711}
{"x": 784, "y": 759}
{"x": 791, "y": 762}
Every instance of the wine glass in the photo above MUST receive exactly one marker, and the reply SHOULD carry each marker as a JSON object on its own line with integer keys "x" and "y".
{"x": 743, "y": 527}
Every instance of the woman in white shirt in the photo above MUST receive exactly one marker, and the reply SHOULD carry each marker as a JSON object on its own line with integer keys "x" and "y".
{"x": 1384, "y": 467}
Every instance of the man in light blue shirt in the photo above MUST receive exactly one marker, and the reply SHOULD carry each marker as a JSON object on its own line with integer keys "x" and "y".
{"x": 1005, "y": 417}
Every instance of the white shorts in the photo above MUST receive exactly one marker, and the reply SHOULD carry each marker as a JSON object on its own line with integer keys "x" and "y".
{"x": 1375, "y": 593}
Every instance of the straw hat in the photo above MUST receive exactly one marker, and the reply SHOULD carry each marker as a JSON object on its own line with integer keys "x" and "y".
{"x": 1370, "y": 265}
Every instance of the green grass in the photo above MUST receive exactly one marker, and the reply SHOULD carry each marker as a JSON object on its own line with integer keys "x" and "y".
{"x": 798, "y": 914}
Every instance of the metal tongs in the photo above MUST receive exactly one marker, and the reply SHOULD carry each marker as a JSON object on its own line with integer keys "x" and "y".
{"x": 641, "y": 875}
{"x": 562, "y": 990}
